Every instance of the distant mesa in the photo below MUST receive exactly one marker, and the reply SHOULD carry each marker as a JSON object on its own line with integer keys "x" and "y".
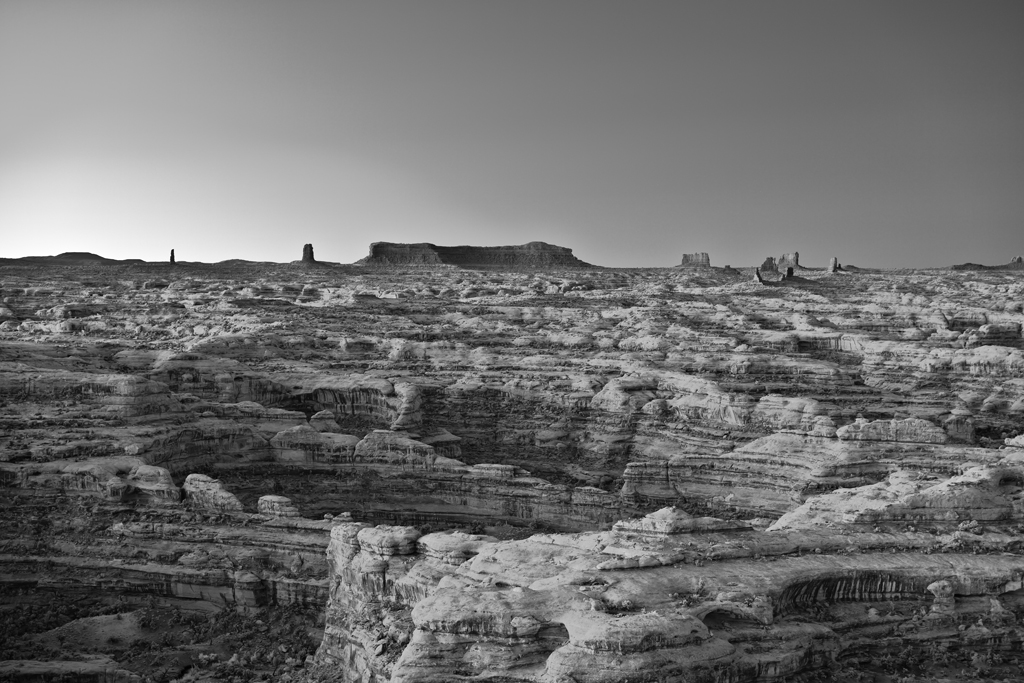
{"x": 528, "y": 256}
{"x": 697, "y": 260}
{"x": 71, "y": 258}
{"x": 75, "y": 256}
{"x": 307, "y": 253}
{"x": 1016, "y": 263}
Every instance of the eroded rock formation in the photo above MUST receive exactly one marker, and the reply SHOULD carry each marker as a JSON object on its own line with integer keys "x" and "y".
{"x": 789, "y": 260}
{"x": 666, "y": 597}
{"x": 307, "y": 253}
{"x": 536, "y": 476}
{"x": 699, "y": 260}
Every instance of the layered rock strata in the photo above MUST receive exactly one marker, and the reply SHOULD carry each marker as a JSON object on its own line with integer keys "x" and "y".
{"x": 179, "y": 436}
{"x": 666, "y": 597}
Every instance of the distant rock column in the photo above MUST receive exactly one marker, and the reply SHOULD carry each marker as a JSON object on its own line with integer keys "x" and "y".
{"x": 833, "y": 264}
{"x": 172, "y": 256}
{"x": 769, "y": 265}
{"x": 307, "y": 253}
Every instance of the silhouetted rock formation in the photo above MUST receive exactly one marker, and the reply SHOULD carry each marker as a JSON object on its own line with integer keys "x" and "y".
{"x": 70, "y": 258}
{"x": 76, "y": 256}
{"x": 1016, "y": 263}
{"x": 531, "y": 255}
{"x": 307, "y": 253}
{"x": 172, "y": 256}
{"x": 833, "y": 265}
{"x": 697, "y": 260}
{"x": 769, "y": 265}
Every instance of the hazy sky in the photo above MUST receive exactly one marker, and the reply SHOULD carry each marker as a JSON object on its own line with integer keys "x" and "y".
{"x": 885, "y": 133}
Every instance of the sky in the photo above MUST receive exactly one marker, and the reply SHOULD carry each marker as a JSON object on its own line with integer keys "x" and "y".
{"x": 886, "y": 133}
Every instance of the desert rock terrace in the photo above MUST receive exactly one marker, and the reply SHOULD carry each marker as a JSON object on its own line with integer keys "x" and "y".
{"x": 513, "y": 470}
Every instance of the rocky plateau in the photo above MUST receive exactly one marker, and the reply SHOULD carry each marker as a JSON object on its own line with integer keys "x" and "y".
{"x": 503, "y": 464}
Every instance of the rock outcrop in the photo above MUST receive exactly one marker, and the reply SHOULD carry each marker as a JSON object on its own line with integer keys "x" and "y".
{"x": 698, "y": 260}
{"x": 549, "y": 475}
{"x": 789, "y": 260}
{"x": 533, "y": 255}
{"x": 307, "y": 253}
{"x": 665, "y": 597}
